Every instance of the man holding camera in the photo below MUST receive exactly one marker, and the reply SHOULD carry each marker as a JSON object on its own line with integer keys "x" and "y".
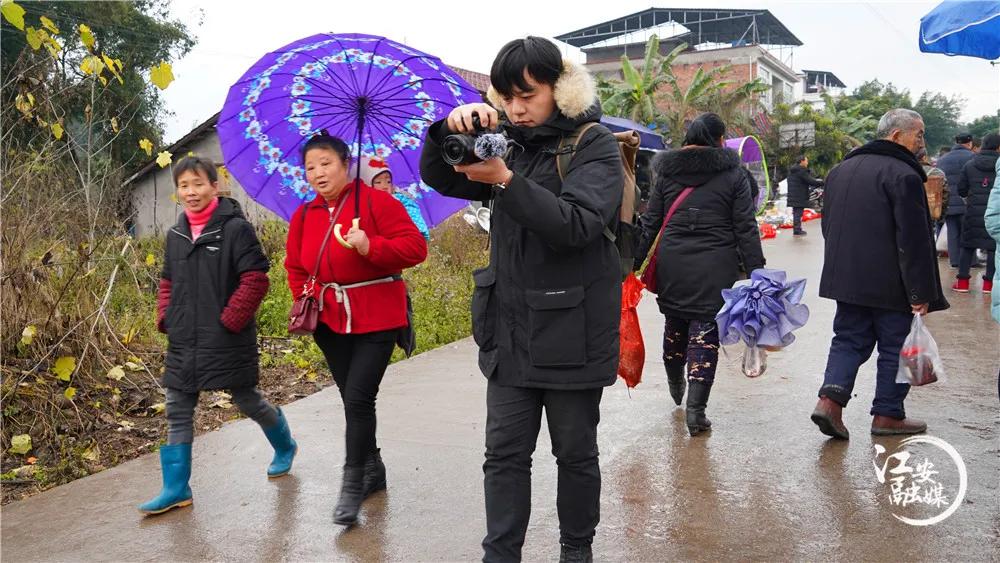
{"x": 545, "y": 312}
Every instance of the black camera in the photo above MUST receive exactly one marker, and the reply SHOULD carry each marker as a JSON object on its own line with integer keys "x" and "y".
{"x": 463, "y": 148}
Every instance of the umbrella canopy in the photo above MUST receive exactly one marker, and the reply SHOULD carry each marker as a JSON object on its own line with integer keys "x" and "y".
{"x": 648, "y": 139}
{"x": 962, "y": 27}
{"x": 763, "y": 311}
{"x": 752, "y": 155}
{"x": 377, "y": 95}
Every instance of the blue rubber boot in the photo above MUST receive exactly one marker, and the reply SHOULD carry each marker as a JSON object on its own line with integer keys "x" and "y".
{"x": 284, "y": 446}
{"x": 175, "y": 464}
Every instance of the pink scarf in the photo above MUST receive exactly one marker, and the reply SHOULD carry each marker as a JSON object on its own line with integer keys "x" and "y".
{"x": 198, "y": 219}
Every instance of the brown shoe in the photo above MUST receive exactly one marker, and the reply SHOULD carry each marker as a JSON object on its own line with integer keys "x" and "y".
{"x": 827, "y": 417}
{"x": 886, "y": 426}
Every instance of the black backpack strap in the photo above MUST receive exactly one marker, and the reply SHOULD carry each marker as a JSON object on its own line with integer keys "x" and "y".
{"x": 564, "y": 154}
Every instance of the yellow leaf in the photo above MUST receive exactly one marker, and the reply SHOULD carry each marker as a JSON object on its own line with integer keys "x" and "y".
{"x": 301, "y": 363}
{"x": 92, "y": 453}
{"x": 70, "y": 393}
{"x": 110, "y": 64}
{"x": 223, "y": 172}
{"x": 24, "y": 103}
{"x": 150, "y": 259}
{"x": 42, "y": 122}
{"x": 20, "y": 444}
{"x": 57, "y": 130}
{"x": 86, "y": 36}
{"x": 51, "y": 44}
{"x": 311, "y": 376}
{"x": 164, "y": 159}
{"x": 173, "y": 198}
{"x": 158, "y": 407}
{"x": 34, "y": 38}
{"x": 92, "y": 64}
{"x": 13, "y": 13}
{"x": 114, "y": 124}
{"x": 146, "y": 145}
{"x": 104, "y": 81}
{"x": 116, "y": 373}
{"x": 28, "y": 334}
{"x": 162, "y": 75}
{"x": 64, "y": 367}
{"x": 132, "y": 366}
{"x": 48, "y": 24}
{"x": 129, "y": 336}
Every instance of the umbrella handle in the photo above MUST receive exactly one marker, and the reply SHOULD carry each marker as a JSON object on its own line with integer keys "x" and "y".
{"x": 336, "y": 233}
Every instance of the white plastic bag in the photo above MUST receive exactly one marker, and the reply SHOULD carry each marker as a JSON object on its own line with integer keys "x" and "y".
{"x": 919, "y": 360}
{"x": 754, "y": 361}
{"x": 942, "y": 240}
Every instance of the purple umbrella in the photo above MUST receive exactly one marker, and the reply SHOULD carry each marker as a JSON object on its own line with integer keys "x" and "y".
{"x": 376, "y": 94}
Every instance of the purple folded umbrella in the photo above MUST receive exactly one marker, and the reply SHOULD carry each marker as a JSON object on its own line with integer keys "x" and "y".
{"x": 763, "y": 311}
{"x": 377, "y": 95}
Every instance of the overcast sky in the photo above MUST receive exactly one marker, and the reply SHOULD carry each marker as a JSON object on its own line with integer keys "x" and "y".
{"x": 857, "y": 41}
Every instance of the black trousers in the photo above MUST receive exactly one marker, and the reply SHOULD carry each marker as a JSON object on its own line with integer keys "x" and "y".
{"x": 357, "y": 362}
{"x": 513, "y": 419}
{"x": 797, "y": 218}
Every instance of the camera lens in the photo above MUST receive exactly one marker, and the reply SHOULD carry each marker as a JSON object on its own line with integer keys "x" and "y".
{"x": 458, "y": 149}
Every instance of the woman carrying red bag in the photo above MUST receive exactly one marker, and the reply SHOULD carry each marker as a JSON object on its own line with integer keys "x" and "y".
{"x": 711, "y": 232}
{"x": 362, "y": 298}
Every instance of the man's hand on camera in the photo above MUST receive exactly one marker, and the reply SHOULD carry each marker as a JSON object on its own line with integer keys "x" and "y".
{"x": 492, "y": 171}
{"x": 460, "y": 118}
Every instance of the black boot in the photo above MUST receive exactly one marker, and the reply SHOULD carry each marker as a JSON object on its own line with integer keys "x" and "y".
{"x": 676, "y": 382}
{"x": 697, "y": 400}
{"x": 349, "y": 503}
{"x": 374, "y": 478}
{"x": 571, "y": 554}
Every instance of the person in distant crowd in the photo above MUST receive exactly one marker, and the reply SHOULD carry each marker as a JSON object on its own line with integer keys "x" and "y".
{"x": 977, "y": 145}
{"x": 951, "y": 164}
{"x": 943, "y": 151}
{"x": 975, "y": 185}
{"x": 936, "y": 187}
{"x": 214, "y": 279}
{"x": 800, "y": 184}
{"x": 880, "y": 268}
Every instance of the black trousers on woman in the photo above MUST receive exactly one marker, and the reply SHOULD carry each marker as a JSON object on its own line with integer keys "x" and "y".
{"x": 357, "y": 362}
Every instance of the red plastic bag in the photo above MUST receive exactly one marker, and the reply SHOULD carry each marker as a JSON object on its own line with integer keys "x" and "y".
{"x": 633, "y": 350}
{"x": 767, "y": 231}
{"x": 810, "y": 215}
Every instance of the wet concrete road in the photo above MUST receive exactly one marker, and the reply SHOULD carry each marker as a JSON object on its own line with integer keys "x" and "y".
{"x": 765, "y": 485}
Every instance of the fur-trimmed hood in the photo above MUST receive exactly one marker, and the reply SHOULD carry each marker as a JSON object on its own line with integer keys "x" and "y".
{"x": 695, "y": 165}
{"x": 575, "y": 94}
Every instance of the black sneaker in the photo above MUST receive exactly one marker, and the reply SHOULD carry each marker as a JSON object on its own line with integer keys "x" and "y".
{"x": 799, "y": 233}
{"x": 575, "y": 554}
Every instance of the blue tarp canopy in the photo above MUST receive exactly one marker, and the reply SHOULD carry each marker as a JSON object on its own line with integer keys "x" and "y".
{"x": 962, "y": 27}
{"x": 648, "y": 139}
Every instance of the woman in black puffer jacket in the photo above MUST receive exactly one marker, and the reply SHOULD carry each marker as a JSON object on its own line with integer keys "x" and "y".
{"x": 700, "y": 253}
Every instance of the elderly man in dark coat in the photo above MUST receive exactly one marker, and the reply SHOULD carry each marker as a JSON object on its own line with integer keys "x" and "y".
{"x": 880, "y": 267}
{"x": 800, "y": 184}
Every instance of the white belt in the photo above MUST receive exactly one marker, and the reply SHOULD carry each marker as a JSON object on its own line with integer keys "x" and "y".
{"x": 342, "y": 297}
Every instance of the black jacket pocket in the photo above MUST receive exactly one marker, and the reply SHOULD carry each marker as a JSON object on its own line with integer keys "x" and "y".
{"x": 558, "y": 327}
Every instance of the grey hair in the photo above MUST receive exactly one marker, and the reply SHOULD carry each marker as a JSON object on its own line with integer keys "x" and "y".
{"x": 899, "y": 118}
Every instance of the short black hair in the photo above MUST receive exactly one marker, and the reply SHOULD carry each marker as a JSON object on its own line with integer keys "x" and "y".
{"x": 991, "y": 142}
{"x": 196, "y": 164}
{"x": 963, "y": 137}
{"x": 324, "y": 140}
{"x": 539, "y": 56}
{"x": 705, "y": 130}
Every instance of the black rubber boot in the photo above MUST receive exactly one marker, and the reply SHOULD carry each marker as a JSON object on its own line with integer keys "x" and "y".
{"x": 374, "y": 477}
{"x": 349, "y": 503}
{"x": 698, "y": 393}
{"x": 676, "y": 382}
{"x": 571, "y": 554}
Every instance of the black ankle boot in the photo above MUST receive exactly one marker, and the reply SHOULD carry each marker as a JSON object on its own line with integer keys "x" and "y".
{"x": 374, "y": 477}
{"x": 572, "y": 554}
{"x": 676, "y": 382}
{"x": 350, "y": 499}
{"x": 697, "y": 400}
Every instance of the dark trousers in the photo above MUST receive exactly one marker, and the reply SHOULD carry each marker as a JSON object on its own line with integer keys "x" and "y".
{"x": 357, "y": 362}
{"x": 968, "y": 257}
{"x": 513, "y": 419}
{"x": 857, "y": 330}
{"x": 954, "y": 224}
{"x": 695, "y": 343}
{"x": 797, "y": 218}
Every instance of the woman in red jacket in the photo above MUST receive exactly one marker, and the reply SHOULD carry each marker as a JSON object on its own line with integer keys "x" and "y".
{"x": 362, "y": 296}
